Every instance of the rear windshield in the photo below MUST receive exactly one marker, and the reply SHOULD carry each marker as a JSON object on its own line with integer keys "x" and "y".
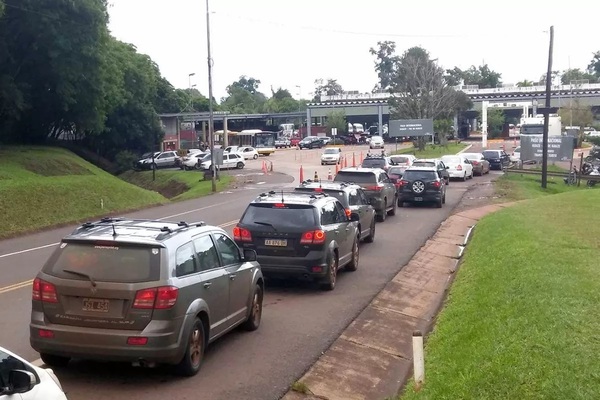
{"x": 373, "y": 163}
{"x": 420, "y": 175}
{"x": 400, "y": 159}
{"x": 338, "y": 194}
{"x": 472, "y": 156}
{"x": 105, "y": 263}
{"x": 288, "y": 216}
{"x": 455, "y": 160}
{"x": 423, "y": 164}
{"x": 356, "y": 177}
{"x": 491, "y": 153}
{"x": 396, "y": 171}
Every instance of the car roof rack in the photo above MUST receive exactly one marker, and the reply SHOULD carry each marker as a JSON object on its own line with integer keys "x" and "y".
{"x": 165, "y": 230}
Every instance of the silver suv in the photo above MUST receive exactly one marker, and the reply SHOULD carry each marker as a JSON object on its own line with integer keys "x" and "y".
{"x": 144, "y": 292}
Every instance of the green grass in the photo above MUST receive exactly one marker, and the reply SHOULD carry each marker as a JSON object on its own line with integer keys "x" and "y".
{"x": 521, "y": 320}
{"x": 44, "y": 186}
{"x": 433, "y": 151}
{"x": 176, "y": 184}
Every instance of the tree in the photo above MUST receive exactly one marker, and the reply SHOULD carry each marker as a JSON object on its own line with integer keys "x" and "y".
{"x": 454, "y": 77}
{"x": 481, "y": 76}
{"x": 281, "y": 101}
{"x": 594, "y": 66}
{"x": 247, "y": 83}
{"x": 442, "y": 127}
{"x": 336, "y": 119}
{"x": 554, "y": 77}
{"x": 495, "y": 122}
{"x": 385, "y": 63}
{"x": 575, "y": 74}
{"x": 577, "y": 114}
{"x": 329, "y": 88}
{"x": 244, "y": 97}
{"x": 525, "y": 83}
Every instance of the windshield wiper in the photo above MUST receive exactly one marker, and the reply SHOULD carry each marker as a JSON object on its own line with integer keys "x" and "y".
{"x": 82, "y": 274}
{"x": 265, "y": 224}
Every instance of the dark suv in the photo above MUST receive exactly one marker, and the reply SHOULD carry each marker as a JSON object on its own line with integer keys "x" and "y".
{"x": 144, "y": 292}
{"x": 378, "y": 187}
{"x": 421, "y": 185}
{"x": 354, "y": 200}
{"x": 311, "y": 142}
{"x": 300, "y": 235}
{"x": 498, "y": 159}
{"x": 376, "y": 161}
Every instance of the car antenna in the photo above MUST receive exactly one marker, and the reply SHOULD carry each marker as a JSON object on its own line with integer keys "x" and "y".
{"x": 282, "y": 200}
{"x": 114, "y": 231}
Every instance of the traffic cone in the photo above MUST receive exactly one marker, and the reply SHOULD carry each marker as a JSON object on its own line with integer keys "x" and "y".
{"x": 353, "y": 160}
{"x": 361, "y": 157}
{"x": 337, "y": 168}
{"x": 316, "y": 177}
{"x": 515, "y": 143}
{"x": 329, "y": 177}
{"x": 346, "y": 162}
{"x": 301, "y": 174}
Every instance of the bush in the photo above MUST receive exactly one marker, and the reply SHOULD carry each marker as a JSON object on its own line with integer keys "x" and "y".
{"x": 125, "y": 161}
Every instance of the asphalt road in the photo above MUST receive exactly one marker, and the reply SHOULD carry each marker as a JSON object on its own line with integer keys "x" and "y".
{"x": 299, "y": 321}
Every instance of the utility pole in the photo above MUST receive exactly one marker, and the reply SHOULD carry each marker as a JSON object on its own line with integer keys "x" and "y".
{"x": 547, "y": 112}
{"x": 211, "y": 120}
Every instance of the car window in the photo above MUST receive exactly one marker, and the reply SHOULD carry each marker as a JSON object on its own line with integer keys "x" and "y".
{"x": 185, "y": 260}
{"x": 340, "y": 213}
{"x": 116, "y": 262}
{"x": 354, "y": 198}
{"x": 417, "y": 175}
{"x": 400, "y": 159}
{"x": 230, "y": 253}
{"x": 354, "y": 176}
{"x": 288, "y": 216}
{"x": 7, "y": 364}
{"x": 329, "y": 214}
{"x": 423, "y": 164}
{"x": 395, "y": 171}
{"x": 373, "y": 163}
{"x": 363, "y": 197}
{"x": 491, "y": 153}
{"x": 206, "y": 253}
{"x": 383, "y": 178}
{"x": 455, "y": 160}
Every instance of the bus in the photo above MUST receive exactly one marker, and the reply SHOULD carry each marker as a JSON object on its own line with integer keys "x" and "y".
{"x": 262, "y": 141}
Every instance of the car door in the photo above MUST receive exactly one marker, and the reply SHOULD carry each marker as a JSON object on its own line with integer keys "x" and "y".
{"x": 468, "y": 166}
{"x": 389, "y": 189}
{"x": 332, "y": 226}
{"x": 240, "y": 277}
{"x": 358, "y": 203}
{"x": 346, "y": 232}
{"x": 7, "y": 364}
{"x": 505, "y": 158}
{"x": 214, "y": 284}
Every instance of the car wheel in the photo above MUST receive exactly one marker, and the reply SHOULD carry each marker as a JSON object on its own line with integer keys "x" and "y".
{"x": 381, "y": 216}
{"x": 240, "y": 165}
{"x": 371, "y": 237}
{"x": 53, "y": 360}
{"x": 465, "y": 177}
{"x": 198, "y": 166}
{"x": 353, "y": 264}
{"x": 194, "y": 354}
{"x": 332, "y": 266}
{"x": 255, "y": 156}
{"x": 444, "y": 199}
{"x": 253, "y": 321}
{"x": 439, "y": 203}
{"x": 447, "y": 180}
{"x": 393, "y": 210}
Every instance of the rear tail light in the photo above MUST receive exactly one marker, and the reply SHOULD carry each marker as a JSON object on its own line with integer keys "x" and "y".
{"x": 160, "y": 298}
{"x": 242, "y": 234}
{"x": 137, "y": 341}
{"x": 313, "y": 237}
{"x": 46, "y": 334}
{"x": 459, "y": 167}
{"x": 44, "y": 291}
{"x": 436, "y": 184}
{"x": 475, "y": 162}
{"x": 348, "y": 212}
{"x": 402, "y": 182}
{"x": 376, "y": 188}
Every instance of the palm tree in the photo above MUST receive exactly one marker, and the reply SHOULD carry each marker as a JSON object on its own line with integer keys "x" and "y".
{"x": 525, "y": 83}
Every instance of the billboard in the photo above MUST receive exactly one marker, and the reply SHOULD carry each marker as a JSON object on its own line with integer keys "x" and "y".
{"x": 560, "y": 148}
{"x": 410, "y": 127}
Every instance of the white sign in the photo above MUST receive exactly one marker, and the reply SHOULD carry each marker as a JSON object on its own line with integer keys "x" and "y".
{"x": 333, "y": 131}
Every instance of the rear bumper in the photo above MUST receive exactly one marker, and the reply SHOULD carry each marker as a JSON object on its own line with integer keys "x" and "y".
{"x": 426, "y": 197}
{"x": 296, "y": 267}
{"x": 456, "y": 174}
{"x": 164, "y": 341}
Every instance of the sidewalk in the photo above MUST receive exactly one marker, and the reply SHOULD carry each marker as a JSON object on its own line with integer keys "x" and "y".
{"x": 372, "y": 359}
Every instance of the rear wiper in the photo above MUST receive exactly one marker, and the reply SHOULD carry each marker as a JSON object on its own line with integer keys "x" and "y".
{"x": 265, "y": 224}
{"x": 83, "y": 274}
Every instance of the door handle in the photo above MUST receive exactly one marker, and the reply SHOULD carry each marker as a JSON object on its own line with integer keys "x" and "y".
{"x": 207, "y": 285}
{"x": 232, "y": 276}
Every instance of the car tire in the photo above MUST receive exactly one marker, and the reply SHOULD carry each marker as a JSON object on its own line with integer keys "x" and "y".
{"x": 194, "y": 354}
{"x": 255, "y": 156}
{"x": 332, "y": 266}
{"x": 439, "y": 203}
{"x": 240, "y": 165}
{"x": 371, "y": 237}
{"x": 465, "y": 177}
{"x": 381, "y": 216}
{"x": 253, "y": 321}
{"x": 392, "y": 212}
{"x": 52, "y": 360}
{"x": 444, "y": 199}
{"x": 353, "y": 264}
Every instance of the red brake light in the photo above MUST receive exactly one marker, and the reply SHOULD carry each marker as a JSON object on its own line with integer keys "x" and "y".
{"x": 436, "y": 184}
{"x": 376, "y": 188}
{"x": 46, "y": 334}
{"x": 137, "y": 341}
{"x": 145, "y": 298}
{"x": 313, "y": 237}
{"x": 348, "y": 212}
{"x": 402, "y": 182}
{"x": 279, "y": 205}
{"x": 159, "y": 298}
{"x": 242, "y": 234}
{"x": 44, "y": 291}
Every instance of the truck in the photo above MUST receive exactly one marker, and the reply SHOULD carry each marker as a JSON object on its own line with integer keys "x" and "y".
{"x": 535, "y": 125}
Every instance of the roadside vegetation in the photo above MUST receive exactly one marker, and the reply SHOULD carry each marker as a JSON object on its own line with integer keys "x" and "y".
{"x": 433, "y": 150}
{"x": 519, "y": 321}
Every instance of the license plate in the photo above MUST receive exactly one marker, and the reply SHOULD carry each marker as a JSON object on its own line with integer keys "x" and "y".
{"x": 276, "y": 242}
{"x": 418, "y": 199}
{"x": 95, "y": 305}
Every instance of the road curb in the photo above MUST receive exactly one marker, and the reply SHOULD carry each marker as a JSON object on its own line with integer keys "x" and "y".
{"x": 372, "y": 358}
{"x": 465, "y": 149}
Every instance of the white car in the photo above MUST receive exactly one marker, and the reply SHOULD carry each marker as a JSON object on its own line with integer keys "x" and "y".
{"x": 376, "y": 142}
{"x": 402, "y": 160}
{"x": 516, "y": 154}
{"x": 331, "y": 155}
{"x": 248, "y": 152}
{"x": 20, "y": 380}
{"x": 194, "y": 161}
{"x": 229, "y": 161}
{"x": 458, "y": 167}
{"x": 230, "y": 149}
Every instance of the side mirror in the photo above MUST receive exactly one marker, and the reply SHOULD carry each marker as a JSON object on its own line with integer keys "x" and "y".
{"x": 447, "y": 167}
{"x": 20, "y": 381}
{"x": 249, "y": 255}
{"x": 354, "y": 217}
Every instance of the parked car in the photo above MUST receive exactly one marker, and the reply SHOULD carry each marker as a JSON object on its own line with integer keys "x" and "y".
{"x": 164, "y": 159}
{"x": 282, "y": 143}
{"x": 331, "y": 155}
{"x": 378, "y": 187}
{"x": 144, "y": 292}
{"x": 248, "y": 152}
{"x": 422, "y": 185}
{"x": 376, "y": 142}
{"x": 458, "y": 167}
{"x": 480, "y": 165}
{"x": 434, "y": 162}
{"x": 402, "y": 161}
{"x": 376, "y": 161}
{"x": 354, "y": 200}
{"x": 145, "y": 160}
{"x": 516, "y": 154}
{"x": 498, "y": 159}
{"x": 231, "y": 160}
{"x": 22, "y": 380}
{"x": 302, "y": 235}
{"x": 194, "y": 161}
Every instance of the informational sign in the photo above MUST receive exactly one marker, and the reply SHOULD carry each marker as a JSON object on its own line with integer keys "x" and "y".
{"x": 410, "y": 127}
{"x": 218, "y": 156}
{"x": 560, "y": 148}
{"x": 333, "y": 131}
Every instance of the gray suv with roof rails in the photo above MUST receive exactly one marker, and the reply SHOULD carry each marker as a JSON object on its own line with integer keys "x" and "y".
{"x": 144, "y": 292}
{"x": 301, "y": 235}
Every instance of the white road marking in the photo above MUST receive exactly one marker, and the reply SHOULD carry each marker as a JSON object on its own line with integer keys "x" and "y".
{"x": 260, "y": 183}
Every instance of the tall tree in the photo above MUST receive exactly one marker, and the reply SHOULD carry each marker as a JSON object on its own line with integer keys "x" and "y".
{"x": 248, "y": 84}
{"x": 481, "y": 76}
{"x": 525, "y": 83}
{"x": 386, "y": 61}
{"x": 330, "y": 87}
{"x": 281, "y": 101}
{"x": 594, "y": 66}
{"x": 577, "y": 75}
{"x": 243, "y": 97}
{"x": 336, "y": 119}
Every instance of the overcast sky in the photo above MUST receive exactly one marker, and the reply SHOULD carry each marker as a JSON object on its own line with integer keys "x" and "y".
{"x": 286, "y": 43}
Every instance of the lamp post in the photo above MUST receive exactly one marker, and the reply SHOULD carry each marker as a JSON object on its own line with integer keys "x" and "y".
{"x": 211, "y": 121}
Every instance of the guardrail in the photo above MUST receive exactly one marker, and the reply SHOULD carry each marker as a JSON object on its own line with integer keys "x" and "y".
{"x": 579, "y": 176}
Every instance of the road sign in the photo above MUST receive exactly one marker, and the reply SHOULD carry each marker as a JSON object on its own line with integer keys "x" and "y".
{"x": 410, "y": 127}
{"x": 560, "y": 148}
{"x": 218, "y": 156}
{"x": 333, "y": 131}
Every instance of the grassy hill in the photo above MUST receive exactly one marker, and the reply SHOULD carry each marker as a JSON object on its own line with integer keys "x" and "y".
{"x": 46, "y": 186}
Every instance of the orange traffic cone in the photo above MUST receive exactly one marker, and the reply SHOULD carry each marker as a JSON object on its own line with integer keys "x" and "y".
{"x": 361, "y": 157}
{"x": 301, "y": 174}
{"x": 346, "y": 162}
{"x": 329, "y": 176}
{"x": 353, "y": 160}
{"x": 337, "y": 168}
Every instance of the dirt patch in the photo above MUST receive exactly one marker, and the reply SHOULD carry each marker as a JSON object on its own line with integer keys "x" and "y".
{"x": 172, "y": 189}
{"x": 478, "y": 195}
{"x": 55, "y": 167}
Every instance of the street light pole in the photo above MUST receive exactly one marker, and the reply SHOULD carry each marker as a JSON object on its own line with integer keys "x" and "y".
{"x": 211, "y": 121}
